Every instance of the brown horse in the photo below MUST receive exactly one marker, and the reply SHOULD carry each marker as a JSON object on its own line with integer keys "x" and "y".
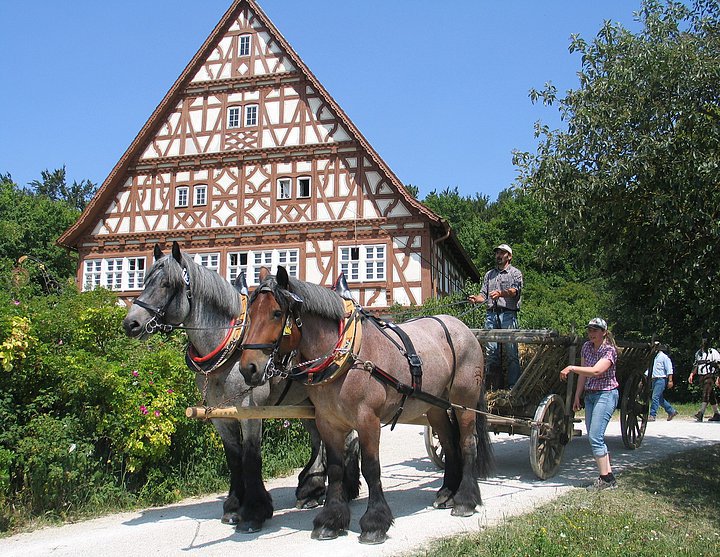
{"x": 361, "y": 383}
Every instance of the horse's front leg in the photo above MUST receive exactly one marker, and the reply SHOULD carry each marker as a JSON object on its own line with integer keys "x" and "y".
{"x": 257, "y": 505}
{"x": 378, "y": 517}
{"x": 232, "y": 443}
{"x": 334, "y": 518}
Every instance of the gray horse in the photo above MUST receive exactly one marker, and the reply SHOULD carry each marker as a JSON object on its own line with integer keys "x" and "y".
{"x": 178, "y": 291}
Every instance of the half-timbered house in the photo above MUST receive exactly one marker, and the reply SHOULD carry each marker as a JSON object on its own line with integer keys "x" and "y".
{"x": 248, "y": 162}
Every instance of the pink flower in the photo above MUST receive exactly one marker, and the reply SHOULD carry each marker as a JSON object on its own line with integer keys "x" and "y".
{"x": 16, "y": 302}
{"x": 135, "y": 373}
{"x": 170, "y": 391}
{"x": 60, "y": 342}
{"x": 157, "y": 413}
{"x": 151, "y": 382}
{"x": 286, "y": 424}
{"x": 143, "y": 409}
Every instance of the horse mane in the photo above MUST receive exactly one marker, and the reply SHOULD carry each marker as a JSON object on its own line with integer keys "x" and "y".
{"x": 206, "y": 286}
{"x": 317, "y": 300}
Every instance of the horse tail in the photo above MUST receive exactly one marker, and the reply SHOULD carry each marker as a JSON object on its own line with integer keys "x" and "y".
{"x": 485, "y": 462}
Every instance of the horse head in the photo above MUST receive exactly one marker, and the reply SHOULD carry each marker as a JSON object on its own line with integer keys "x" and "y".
{"x": 166, "y": 298}
{"x": 275, "y": 328}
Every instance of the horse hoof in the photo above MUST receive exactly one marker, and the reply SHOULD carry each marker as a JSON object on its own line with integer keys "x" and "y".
{"x": 443, "y": 502}
{"x": 230, "y": 518}
{"x": 249, "y": 526}
{"x": 309, "y": 503}
{"x": 324, "y": 533}
{"x": 373, "y": 538}
{"x": 462, "y": 510}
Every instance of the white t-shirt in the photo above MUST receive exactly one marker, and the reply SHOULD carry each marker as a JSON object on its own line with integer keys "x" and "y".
{"x": 711, "y": 355}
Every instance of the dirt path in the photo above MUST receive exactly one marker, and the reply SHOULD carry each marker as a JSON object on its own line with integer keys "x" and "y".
{"x": 410, "y": 481}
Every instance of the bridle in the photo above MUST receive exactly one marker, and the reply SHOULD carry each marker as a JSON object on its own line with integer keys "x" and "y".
{"x": 157, "y": 323}
{"x": 278, "y": 365}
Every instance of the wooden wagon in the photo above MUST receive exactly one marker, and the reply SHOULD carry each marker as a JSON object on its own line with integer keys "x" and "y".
{"x": 539, "y": 405}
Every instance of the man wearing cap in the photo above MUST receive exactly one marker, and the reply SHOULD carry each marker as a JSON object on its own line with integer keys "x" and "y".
{"x": 501, "y": 291}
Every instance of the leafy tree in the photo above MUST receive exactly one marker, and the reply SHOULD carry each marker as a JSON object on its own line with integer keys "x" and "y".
{"x": 29, "y": 226}
{"x": 633, "y": 180}
{"x": 54, "y": 186}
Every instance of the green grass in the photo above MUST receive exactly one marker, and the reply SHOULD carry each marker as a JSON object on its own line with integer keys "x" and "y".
{"x": 667, "y": 508}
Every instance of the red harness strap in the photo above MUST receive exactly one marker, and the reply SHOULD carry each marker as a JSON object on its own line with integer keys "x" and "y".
{"x": 200, "y": 359}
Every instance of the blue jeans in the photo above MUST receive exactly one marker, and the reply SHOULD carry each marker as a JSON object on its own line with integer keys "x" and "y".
{"x": 505, "y": 320}
{"x": 658, "y": 398}
{"x": 599, "y": 408}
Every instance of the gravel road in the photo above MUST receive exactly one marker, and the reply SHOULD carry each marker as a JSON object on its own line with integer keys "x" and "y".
{"x": 193, "y": 528}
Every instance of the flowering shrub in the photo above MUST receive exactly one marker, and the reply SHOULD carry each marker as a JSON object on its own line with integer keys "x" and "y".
{"x": 92, "y": 419}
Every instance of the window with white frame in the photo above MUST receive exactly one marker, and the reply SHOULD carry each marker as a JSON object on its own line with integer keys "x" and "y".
{"x": 113, "y": 274}
{"x": 117, "y": 273}
{"x": 200, "y": 194}
{"x": 92, "y": 276}
{"x": 363, "y": 263}
{"x": 181, "y": 196}
{"x": 375, "y": 262}
{"x": 233, "y": 117}
{"x": 135, "y": 273}
{"x": 237, "y": 262}
{"x": 252, "y": 261}
{"x": 284, "y": 188}
{"x": 244, "y": 45}
{"x": 208, "y": 260}
{"x": 303, "y": 186}
{"x": 251, "y": 115}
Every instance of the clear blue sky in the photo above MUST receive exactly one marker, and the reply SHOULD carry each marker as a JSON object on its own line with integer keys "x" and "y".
{"x": 440, "y": 89}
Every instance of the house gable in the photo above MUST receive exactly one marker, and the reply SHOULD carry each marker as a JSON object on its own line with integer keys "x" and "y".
{"x": 247, "y": 149}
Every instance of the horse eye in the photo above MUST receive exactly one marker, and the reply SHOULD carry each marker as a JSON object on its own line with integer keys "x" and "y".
{"x": 277, "y": 314}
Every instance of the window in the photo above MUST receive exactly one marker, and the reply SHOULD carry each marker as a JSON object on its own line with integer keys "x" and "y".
{"x": 233, "y": 120}
{"x": 92, "y": 274}
{"x": 200, "y": 195}
{"x": 375, "y": 262}
{"x": 236, "y": 262}
{"x": 364, "y": 263}
{"x": 181, "y": 196}
{"x": 118, "y": 273}
{"x": 244, "y": 47}
{"x": 251, "y": 262}
{"x": 208, "y": 260}
{"x": 251, "y": 115}
{"x": 113, "y": 274}
{"x": 135, "y": 273}
{"x": 303, "y": 184}
{"x": 284, "y": 190}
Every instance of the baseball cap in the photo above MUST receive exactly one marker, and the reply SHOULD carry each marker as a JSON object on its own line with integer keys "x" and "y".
{"x": 597, "y": 323}
{"x": 504, "y": 247}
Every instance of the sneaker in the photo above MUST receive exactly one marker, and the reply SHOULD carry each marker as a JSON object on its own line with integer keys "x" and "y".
{"x": 715, "y": 418}
{"x": 698, "y": 417}
{"x": 651, "y": 418}
{"x": 600, "y": 485}
{"x": 672, "y": 415}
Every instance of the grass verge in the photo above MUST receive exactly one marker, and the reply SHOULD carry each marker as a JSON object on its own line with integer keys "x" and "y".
{"x": 667, "y": 508}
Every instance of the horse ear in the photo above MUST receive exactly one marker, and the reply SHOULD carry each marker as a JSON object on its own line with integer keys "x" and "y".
{"x": 176, "y": 252}
{"x": 282, "y": 278}
{"x": 157, "y": 252}
{"x": 264, "y": 273}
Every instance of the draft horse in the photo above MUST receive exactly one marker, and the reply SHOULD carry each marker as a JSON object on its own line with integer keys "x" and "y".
{"x": 369, "y": 383}
{"x": 178, "y": 292}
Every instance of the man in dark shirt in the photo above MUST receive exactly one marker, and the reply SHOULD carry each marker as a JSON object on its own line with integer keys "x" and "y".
{"x": 501, "y": 291}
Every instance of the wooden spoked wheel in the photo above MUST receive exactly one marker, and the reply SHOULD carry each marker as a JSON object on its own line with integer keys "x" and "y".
{"x": 548, "y": 436}
{"x": 634, "y": 410}
{"x": 433, "y": 448}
